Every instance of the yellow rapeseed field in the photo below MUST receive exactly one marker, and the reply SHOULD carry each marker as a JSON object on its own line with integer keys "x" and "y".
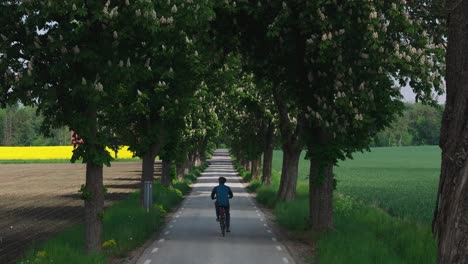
{"x": 48, "y": 152}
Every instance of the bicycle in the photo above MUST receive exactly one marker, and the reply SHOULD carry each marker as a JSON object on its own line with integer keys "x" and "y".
{"x": 222, "y": 219}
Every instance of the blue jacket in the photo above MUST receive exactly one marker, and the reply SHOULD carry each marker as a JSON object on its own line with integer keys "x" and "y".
{"x": 222, "y": 193}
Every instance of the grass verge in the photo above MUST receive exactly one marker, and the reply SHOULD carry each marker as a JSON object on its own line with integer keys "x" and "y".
{"x": 126, "y": 227}
{"x": 363, "y": 233}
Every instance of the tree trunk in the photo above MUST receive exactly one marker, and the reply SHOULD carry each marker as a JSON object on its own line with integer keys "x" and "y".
{"x": 147, "y": 174}
{"x": 180, "y": 170}
{"x": 287, "y": 188}
{"x": 450, "y": 225}
{"x": 93, "y": 193}
{"x": 268, "y": 155}
{"x": 94, "y": 208}
{"x": 321, "y": 196}
{"x": 166, "y": 173}
{"x": 254, "y": 170}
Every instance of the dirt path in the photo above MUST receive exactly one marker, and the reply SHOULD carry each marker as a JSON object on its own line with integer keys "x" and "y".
{"x": 37, "y": 200}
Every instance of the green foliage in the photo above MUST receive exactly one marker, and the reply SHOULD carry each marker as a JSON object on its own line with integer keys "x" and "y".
{"x": 254, "y": 185}
{"x": 85, "y": 193}
{"x": 165, "y": 196}
{"x": 183, "y": 186}
{"x": 419, "y": 125}
{"x": 20, "y": 126}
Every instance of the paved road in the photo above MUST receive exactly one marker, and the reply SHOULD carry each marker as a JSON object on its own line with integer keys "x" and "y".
{"x": 193, "y": 235}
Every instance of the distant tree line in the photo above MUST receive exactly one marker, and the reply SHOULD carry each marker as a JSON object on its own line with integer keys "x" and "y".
{"x": 418, "y": 125}
{"x": 20, "y": 126}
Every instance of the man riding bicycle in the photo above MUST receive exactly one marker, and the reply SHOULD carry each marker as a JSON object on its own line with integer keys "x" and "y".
{"x": 222, "y": 193}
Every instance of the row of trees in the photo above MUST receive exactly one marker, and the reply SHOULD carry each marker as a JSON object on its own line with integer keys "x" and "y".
{"x": 162, "y": 77}
{"x": 418, "y": 125}
{"x": 333, "y": 70}
{"x": 20, "y": 126}
{"x": 115, "y": 72}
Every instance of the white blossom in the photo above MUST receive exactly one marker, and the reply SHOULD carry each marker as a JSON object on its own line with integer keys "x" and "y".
{"x": 116, "y": 36}
{"x": 138, "y": 12}
{"x": 83, "y": 81}
{"x": 76, "y": 49}
{"x": 99, "y": 87}
{"x": 121, "y": 63}
{"x": 74, "y": 7}
{"x": 127, "y": 2}
{"x": 174, "y": 9}
{"x": 128, "y": 62}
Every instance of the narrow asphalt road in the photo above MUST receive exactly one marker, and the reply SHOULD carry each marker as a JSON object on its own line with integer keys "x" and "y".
{"x": 194, "y": 236}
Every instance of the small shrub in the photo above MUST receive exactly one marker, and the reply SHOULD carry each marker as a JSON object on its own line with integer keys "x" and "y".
{"x": 254, "y": 185}
{"x": 293, "y": 215}
{"x": 167, "y": 197}
{"x": 246, "y": 176}
{"x": 183, "y": 186}
{"x": 266, "y": 195}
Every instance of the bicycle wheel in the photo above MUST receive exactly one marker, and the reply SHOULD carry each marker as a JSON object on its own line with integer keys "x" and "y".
{"x": 222, "y": 222}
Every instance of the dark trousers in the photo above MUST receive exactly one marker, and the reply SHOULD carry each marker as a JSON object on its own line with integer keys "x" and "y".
{"x": 228, "y": 214}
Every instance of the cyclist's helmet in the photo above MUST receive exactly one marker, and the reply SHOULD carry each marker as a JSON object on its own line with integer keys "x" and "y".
{"x": 222, "y": 180}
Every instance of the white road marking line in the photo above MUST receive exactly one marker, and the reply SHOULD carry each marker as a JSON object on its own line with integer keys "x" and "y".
{"x": 171, "y": 226}
{"x": 279, "y": 248}
{"x": 161, "y": 240}
{"x": 258, "y": 215}
{"x": 274, "y": 239}
{"x": 177, "y": 216}
{"x": 154, "y": 250}
{"x": 166, "y": 233}
{"x": 261, "y": 219}
{"x": 256, "y": 211}
{"x": 269, "y": 231}
{"x": 285, "y": 260}
{"x": 148, "y": 261}
{"x": 265, "y": 225}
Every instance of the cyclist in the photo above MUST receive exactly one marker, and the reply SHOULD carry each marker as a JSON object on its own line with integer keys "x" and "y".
{"x": 222, "y": 194}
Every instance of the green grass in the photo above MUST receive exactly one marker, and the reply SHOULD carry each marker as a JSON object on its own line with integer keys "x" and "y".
{"x": 126, "y": 227}
{"x": 383, "y": 207}
{"x": 366, "y": 234}
{"x": 401, "y": 180}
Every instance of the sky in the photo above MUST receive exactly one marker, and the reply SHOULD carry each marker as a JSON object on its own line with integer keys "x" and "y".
{"x": 409, "y": 96}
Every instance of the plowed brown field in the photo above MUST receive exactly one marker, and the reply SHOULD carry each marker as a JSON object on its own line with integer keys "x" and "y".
{"x": 37, "y": 200}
